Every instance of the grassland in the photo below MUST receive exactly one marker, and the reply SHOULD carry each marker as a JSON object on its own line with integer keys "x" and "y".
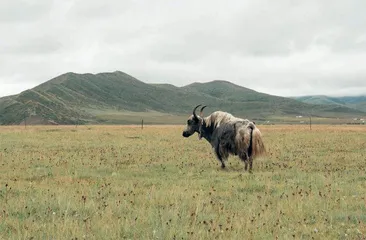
{"x": 115, "y": 182}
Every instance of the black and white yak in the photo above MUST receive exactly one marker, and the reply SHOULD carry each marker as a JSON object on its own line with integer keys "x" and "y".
{"x": 228, "y": 135}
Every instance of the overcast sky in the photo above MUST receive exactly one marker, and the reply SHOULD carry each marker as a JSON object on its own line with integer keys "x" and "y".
{"x": 282, "y": 47}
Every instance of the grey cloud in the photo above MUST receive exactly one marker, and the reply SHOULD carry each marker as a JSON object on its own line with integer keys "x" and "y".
{"x": 280, "y": 47}
{"x": 36, "y": 46}
{"x": 99, "y": 10}
{"x": 23, "y": 10}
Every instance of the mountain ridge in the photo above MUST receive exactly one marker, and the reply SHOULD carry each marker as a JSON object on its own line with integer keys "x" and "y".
{"x": 92, "y": 98}
{"x": 355, "y": 102}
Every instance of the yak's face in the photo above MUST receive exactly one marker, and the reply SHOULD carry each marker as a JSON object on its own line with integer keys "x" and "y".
{"x": 193, "y": 125}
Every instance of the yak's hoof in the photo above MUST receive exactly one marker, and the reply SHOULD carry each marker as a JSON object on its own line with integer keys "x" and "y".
{"x": 223, "y": 166}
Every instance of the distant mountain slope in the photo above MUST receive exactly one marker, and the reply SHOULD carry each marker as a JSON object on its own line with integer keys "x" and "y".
{"x": 355, "y": 102}
{"x": 319, "y": 99}
{"x": 81, "y": 98}
{"x": 267, "y": 104}
{"x": 5, "y": 101}
{"x": 72, "y": 97}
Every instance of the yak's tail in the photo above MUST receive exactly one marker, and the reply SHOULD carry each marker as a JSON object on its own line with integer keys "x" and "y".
{"x": 250, "y": 138}
{"x": 258, "y": 148}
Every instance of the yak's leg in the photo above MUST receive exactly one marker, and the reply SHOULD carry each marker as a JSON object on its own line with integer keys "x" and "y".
{"x": 222, "y": 164}
{"x": 224, "y": 155}
{"x": 250, "y": 164}
{"x": 244, "y": 158}
{"x": 219, "y": 157}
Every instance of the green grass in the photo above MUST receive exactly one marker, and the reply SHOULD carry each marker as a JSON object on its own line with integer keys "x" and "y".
{"x": 114, "y": 182}
{"x": 151, "y": 117}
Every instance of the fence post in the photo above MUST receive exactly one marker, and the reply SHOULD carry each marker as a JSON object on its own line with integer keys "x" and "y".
{"x": 310, "y": 121}
{"x": 142, "y": 124}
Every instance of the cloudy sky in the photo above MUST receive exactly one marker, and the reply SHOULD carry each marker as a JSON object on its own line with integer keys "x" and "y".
{"x": 282, "y": 47}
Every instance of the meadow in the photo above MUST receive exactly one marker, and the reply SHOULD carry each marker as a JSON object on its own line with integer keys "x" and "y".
{"x": 124, "y": 182}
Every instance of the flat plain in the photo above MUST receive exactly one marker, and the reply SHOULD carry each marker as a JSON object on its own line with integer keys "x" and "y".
{"x": 124, "y": 182}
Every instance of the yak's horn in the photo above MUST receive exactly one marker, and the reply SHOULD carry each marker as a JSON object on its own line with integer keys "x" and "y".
{"x": 194, "y": 112}
{"x": 201, "y": 112}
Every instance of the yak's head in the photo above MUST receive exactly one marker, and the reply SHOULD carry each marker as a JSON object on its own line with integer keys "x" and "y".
{"x": 194, "y": 123}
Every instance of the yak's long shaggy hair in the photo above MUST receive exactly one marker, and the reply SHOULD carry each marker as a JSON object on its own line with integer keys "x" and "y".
{"x": 221, "y": 117}
{"x": 228, "y": 135}
{"x": 244, "y": 130}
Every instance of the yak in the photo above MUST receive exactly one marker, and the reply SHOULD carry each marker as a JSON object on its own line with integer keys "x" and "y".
{"x": 228, "y": 135}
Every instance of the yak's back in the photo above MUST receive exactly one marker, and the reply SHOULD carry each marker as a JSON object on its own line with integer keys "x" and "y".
{"x": 219, "y": 117}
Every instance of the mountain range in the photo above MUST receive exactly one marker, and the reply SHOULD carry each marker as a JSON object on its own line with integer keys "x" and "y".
{"x": 356, "y": 102}
{"x": 116, "y": 97}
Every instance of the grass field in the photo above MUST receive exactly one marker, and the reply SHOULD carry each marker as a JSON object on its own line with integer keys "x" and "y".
{"x": 122, "y": 182}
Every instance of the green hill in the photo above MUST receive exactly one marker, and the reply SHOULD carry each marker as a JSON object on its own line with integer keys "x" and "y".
{"x": 260, "y": 104}
{"x": 117, "y": 97}
{"x": 355, "y": 102}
